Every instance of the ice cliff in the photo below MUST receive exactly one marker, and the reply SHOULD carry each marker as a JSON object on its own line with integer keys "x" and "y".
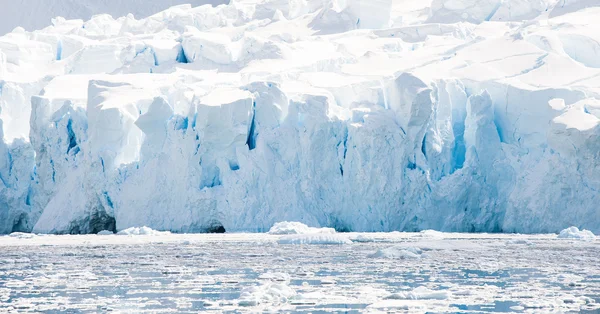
{"x": 454, "y": 115}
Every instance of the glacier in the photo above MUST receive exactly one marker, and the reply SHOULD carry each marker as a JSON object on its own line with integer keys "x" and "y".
{"x": 453, "y": 115}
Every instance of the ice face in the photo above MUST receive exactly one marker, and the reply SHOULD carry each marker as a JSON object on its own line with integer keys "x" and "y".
{"x": 352, "y": 115}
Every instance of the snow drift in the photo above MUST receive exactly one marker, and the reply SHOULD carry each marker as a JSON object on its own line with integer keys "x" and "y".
{"x": 234, "y": 117}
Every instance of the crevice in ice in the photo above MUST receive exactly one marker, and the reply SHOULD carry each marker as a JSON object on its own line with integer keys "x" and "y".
{"x": 499, "y": 130}
{"x": 411, "y": 165}
{"x": 338, "y": 225}
{"x": 53, "y": 170}
{"x": 385, "y": 101}
{"x": 181, "y": 58}
{"x": 233, "y": 165}
{"x": 102, "y": 163}
{"x": 216, "y": 227}
{"x": 459, "y": 152}
{"x": 341, "y": 228}
{"x": 59, "y": 49}
{"x": 423, "y": 148}
{"x": 100, "y": 220}
{"x": 21, "y": 224}
{"x": 108, "y": 200}
{"x": 28, "y": 197}
{"x": 194, "y": 122}
{"x": 155, "y": 58}
{"x": 251, "y": 140}
{"x": 211, "y": 177}
{"x": 494, "y": 10}
{"x": 345, "y": 150}
{"x": 72, "y": 138}
{"x": 181, "y": 123}
{"x": 10, "y": 164}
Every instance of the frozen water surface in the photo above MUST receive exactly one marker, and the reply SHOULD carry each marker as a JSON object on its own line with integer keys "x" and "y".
{"x": 380, "y": 272}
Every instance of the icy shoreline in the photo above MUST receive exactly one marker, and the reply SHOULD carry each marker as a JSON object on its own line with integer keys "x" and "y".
{"x": 296, "y": 233}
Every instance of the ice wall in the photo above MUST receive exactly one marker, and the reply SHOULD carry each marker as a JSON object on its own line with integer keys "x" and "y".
{"x": 239, "y": 116}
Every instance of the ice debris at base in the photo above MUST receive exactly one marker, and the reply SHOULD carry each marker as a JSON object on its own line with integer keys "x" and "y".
{"x": 22, "y": 235}
{"x": 140, "y": 231}
{"x": 106, "y": 232}
{"x": 314, "y": 239}
{"x": 433, "y": 234}
{"x": 473, "y": 116}
{"x": 293, "y": 227}
{"x": 398, "y": 252}
{"x": 576, "y": 234}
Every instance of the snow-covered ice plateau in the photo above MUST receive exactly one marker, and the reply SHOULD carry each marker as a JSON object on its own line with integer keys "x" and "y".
{"x": 379, "y": 115}
{"x": 255, "y": 273}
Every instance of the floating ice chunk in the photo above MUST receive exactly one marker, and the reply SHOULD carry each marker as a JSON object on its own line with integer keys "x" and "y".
{"x": 398, "y": 252}
{"x": 314, "y": 239}
{"x": 274, "y": 276}
{"x": 432, "y": 234}
{"x": 575, "y": 233}
{"x": 420, "y": 293}
{"x": 22, "y": 235}
{"x": 365, "y": 238}
{"x": 570, "y": 279}
{"x": 272, "y": 293}
{"x": 377, "y": 237}
{"x": 141, "y": 231}
{"x": 520, "y": 241}
{"x": 293, "y": 227}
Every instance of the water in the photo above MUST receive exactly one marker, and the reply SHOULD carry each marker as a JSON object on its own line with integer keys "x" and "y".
{"x": 252, "y": 272}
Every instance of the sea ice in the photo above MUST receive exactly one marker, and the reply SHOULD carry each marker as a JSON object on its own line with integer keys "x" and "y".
{"x": 575, "y": 233}
{"x": 398, "y": 252}
{"x": 293, "y": 227}
{"x": 314, "y": 239}
{"x": 272, "y": 293}
{"x": 141, "y": 231}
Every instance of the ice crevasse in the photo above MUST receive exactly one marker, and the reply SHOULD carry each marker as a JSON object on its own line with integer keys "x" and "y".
{"x": 354, "y": 115}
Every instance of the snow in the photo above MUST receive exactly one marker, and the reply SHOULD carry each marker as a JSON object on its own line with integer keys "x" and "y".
{"x": 576, "y": 234}
{"x": 294, "y": 227}
{"x": 448, "y": 115}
